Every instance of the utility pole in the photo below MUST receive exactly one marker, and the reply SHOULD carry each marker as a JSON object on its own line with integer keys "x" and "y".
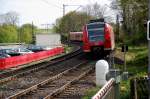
{"x": 64, "y": 9}
{"x": 46, "y": 26}
{"x": 33, "y": 35}
{"x": 117, "y": 29}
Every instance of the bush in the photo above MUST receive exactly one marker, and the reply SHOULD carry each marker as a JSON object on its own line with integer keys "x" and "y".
{"x": 8, "y": 33}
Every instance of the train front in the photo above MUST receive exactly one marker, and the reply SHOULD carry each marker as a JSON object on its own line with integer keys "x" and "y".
{"x": 94, "y": 36}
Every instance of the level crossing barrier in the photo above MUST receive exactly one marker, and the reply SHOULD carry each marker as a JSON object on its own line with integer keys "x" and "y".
{"x": 107, "y": 91}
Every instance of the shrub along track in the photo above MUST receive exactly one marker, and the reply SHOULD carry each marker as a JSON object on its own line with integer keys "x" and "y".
{"x": 29, "y": 77}
{"x": 54, "y": 85}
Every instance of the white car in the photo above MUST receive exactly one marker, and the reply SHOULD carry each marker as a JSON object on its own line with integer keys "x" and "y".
{"x": 21, "y": 51}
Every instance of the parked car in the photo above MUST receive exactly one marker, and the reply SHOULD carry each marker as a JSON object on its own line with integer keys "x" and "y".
{"x": 2, "y": 55}
{"x": 46, "y": 48}
{"x": 7, "y": 51}
{"x": 35, "y": 48}
{"x": 21, "y": 51}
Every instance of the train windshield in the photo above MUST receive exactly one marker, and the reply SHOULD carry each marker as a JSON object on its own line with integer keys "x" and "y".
{"x": 96, "y": 31}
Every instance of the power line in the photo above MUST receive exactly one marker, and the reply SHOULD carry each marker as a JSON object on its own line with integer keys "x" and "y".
{"x": 45, "y": 1}
{"x": 70, "y": 5}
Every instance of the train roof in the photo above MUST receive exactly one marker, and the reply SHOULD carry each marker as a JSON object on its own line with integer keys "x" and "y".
{"x": 97, "y": 20}
{"x": 75, "y": 32}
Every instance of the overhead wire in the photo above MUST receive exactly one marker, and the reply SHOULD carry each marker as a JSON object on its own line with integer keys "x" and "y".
{"x": 48, "y": 3}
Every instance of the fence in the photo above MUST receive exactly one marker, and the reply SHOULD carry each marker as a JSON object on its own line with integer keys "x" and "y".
{"x": 107, "y": 91}
{"x": 24, "y": 59}
{"x": 139, "y": 88}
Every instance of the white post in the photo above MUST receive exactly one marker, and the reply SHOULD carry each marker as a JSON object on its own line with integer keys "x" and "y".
{"x": 102, "y": 68}
{"x": 149, "y": 49}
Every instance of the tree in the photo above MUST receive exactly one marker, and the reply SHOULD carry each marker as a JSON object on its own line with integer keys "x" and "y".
{"x": 97, "y": 11}
{"x": 26, "y": 33}
{"x": 72, "y": 21}
{"x": 8, "y": 33}
{"x": 134, "y": 14}
{"x": 10, "y": 18}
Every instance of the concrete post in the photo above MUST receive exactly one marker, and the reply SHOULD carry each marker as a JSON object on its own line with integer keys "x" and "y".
{"x": 102, "y": 68}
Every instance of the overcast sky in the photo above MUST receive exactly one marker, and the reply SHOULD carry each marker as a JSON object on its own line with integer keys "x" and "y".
{"x": 42, "y": 11}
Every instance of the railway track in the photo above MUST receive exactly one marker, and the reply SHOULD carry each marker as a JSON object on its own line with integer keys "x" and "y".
{"x": 53, "y": 86}
{"x": 27, "y": 79}
{"x": 79, "y": 88}
{"x": 55, "y": 79}
{"x": 13, "y": 74}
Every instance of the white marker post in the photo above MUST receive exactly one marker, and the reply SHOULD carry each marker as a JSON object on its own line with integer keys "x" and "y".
{"x": 148, "y": 38}
{"x": 148, "y": 31}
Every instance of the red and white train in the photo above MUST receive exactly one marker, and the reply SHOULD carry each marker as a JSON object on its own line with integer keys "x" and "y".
{"x": 97, "y": 36}
{"x": 76, "y": 36}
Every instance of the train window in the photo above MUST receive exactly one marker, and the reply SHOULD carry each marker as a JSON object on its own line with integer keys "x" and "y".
{"x": 96, "y": 31}
{"x": 95, "y": 25}
{"x": 97, "y": 38}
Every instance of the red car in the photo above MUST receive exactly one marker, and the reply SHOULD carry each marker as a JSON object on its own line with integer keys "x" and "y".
{"x": 98, "y": 36}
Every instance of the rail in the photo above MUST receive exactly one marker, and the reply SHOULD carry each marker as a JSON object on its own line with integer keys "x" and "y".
{"x": 50, "y": 79}
{"x": 6, "y": 76}
{"x": 107, "y": 91}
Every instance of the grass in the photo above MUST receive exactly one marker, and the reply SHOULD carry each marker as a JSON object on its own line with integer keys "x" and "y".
{"x": 137, "y": 62}
{"x": 91, "y": 93}
{"x": 68, "y": 48}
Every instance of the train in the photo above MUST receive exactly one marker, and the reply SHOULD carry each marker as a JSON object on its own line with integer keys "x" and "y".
{"x": 76, "y": 36}
{"x": 97, "y": 36}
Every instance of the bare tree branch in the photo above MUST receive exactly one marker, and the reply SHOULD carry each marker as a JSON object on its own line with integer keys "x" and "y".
{"x": 10, "y": 18}
{"x": 96, "y": 10}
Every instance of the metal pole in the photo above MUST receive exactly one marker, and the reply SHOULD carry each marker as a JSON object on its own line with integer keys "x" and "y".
{"x": 149, "y": 49}
{"x": 117, "y": 20}
{"x": 149, "y": 42}
{"x": 113, "y": 60}
{"x": 125, "y": 68}
{"x": 20, "y": 33}
{"x": 63, "y": 9}
{"x": 33, "y": 35}
{"x": 117, "y": 91}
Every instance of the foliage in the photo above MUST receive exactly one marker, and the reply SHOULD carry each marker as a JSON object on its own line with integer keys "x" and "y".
{"x": 95, "y": 10}
{"x": 8, "y": 33}
{"x": 26, "y": 33}
{"x": 124, "y": 89}
{"x": 137, "y": 63}
{"x": 72, "y": 21}
{"x": 136, "y": 58}
{"x": 98, "y": 11}
{"x": 134, "y": 14}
